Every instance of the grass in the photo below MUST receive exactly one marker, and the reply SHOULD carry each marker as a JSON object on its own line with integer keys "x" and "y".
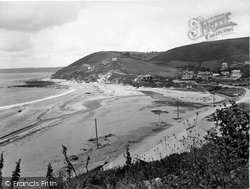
{"x": 209, "y": 51}
{"x": 186, "y": 170}
{"x": 128, "y": 67}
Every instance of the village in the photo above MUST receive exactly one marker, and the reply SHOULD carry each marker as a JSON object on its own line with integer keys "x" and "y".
{"x": 224, "y": 72}
{"x": 191, "y": 79}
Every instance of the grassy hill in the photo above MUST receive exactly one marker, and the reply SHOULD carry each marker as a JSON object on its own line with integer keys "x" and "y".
{"x": 206, "y": 54}
{"x": 118, "y": 67}
{"x": 123, "y": 67}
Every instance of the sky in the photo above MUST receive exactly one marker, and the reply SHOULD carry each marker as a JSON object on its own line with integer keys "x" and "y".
{"x": 56, "y": 34}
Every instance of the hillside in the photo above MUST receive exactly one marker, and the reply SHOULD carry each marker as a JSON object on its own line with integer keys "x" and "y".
{"x": 115, "y": 67}
{"x": 124, "y": 67}
{"x": 206, "y": 54}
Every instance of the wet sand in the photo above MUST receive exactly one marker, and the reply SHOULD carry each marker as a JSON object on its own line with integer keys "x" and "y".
{"x": 124, "y": 116}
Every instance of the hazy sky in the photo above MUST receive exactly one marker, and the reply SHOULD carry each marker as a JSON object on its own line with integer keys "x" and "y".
{"x": 51, "y": 34}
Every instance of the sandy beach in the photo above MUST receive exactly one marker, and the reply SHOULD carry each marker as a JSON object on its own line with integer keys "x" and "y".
{"x": 36, "y": 130}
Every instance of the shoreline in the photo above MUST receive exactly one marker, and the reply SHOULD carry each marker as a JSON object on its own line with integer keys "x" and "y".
{"x": 34, "y": 101}
{"x": 123, "y": 112}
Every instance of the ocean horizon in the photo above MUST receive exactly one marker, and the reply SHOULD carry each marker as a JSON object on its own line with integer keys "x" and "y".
{"x": 15, "y": 95}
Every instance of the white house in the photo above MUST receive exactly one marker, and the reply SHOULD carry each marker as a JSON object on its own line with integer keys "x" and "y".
{"x": 236, "y": 73}
{"x": 216, "y": 74}
{"x": 87, "y": 66}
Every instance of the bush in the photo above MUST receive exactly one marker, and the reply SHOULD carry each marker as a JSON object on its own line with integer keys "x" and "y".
{"x": 233, "y": 124}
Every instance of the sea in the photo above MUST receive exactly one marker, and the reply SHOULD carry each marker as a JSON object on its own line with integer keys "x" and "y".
{"x": 13, "y": 95}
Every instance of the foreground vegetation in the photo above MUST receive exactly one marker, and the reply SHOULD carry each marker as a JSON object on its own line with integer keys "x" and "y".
{"x": 222, "y": 161}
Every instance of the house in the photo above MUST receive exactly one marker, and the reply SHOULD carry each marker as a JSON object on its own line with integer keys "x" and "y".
{"x": 87, "y": 66}
{"x": 224, "y": 73}
{"x": 189, "y": 86}
{"x": 105, "y": 62}
{"x": 147, "y": 77}
{"x": 224, "y": 66}
{"x": 137, "y": 80}
{"x": 216, "y": 74}
{"x": 236, "y": 73}
{"x": 143, "y": 78}
{"x": 204, "y": 75}
{"x": 188, "y": 75}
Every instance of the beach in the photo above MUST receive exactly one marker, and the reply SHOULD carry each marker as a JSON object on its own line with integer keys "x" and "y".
{"x": 35, "y": 131}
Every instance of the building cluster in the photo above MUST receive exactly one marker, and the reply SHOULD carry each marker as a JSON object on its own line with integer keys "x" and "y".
{"x": 143, "y": 78}
{"x": 207, "y": 75}
{"x": 190, "y": 75}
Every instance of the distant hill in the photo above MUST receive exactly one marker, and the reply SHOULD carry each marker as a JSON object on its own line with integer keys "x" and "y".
{"x": 206, "y": 54}
{"x": 30, "y": 70}
{"x": 123, "y": 67}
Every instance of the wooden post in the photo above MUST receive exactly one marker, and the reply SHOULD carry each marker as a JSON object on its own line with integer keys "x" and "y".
{"x": 96, "y": 133}
{"x": 159, "y": 119}
{"x": 177, "y": 104}
{"x": 213, "y": 99}
{"x": 196, "y": 118}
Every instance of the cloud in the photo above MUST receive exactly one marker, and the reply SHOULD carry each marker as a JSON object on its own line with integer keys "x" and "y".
{"x": 15, "y": 41}
{"x": 59, "y": 33}
{"x": 36, "y": 16}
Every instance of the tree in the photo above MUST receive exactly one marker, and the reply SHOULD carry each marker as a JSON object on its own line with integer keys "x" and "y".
{"x": 1, "y": 167}
{"x": 245, "y": 71}
{"x": 50, "y": 173}
{"x": 233, "y": 138}
{"x": 227, "y": 150}
{"x": 128, "y": 157}
{"x": 69, "y": 165}
{"x": 15, "y": 174}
